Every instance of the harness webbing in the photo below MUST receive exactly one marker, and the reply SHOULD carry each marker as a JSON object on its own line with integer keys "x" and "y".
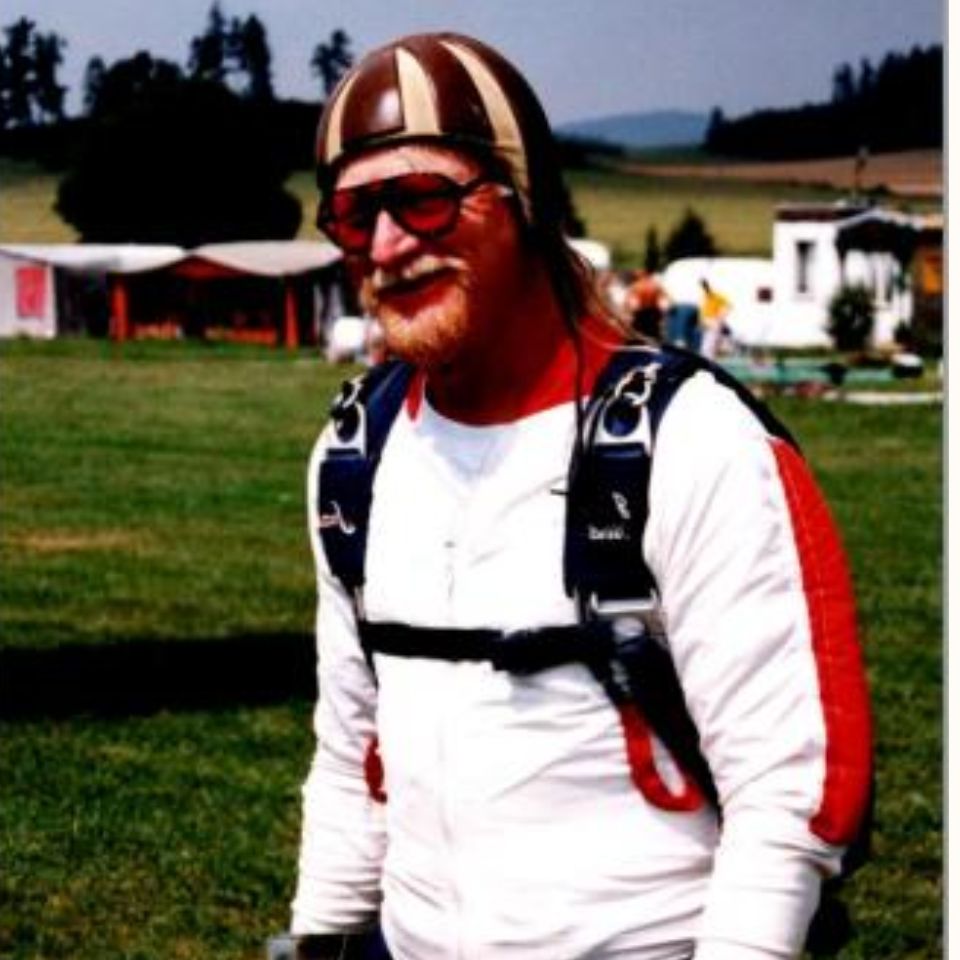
{"x": 643, "y": 675}
{"x": 603, "y": 564}
{"x": 362, "y": 415}
{"x": 520, "y": 651}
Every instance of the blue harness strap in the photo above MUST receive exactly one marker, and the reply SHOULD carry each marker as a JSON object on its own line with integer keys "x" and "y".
{"x": 362, "y": 415}
{"x": 610, "y": 471}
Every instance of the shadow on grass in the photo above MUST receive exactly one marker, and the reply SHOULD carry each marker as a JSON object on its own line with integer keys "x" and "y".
{"x": 138, "y": 677}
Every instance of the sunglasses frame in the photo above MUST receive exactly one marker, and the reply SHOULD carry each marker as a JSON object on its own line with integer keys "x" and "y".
{"x": 383, "y": 196}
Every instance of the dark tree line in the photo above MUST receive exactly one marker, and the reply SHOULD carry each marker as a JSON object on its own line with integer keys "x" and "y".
{"x": 189, "y": 163}
{"x": 29, "y": 91}
{"x": 897, "y": 105}
{"x": 166, "y": 153}
{"x": 232, "y": 52}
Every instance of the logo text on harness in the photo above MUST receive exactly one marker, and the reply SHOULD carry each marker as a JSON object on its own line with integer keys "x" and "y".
{"x": 336, "y": 519}
{"x": 621, "y": 503}
{"x": 613, "y": 532}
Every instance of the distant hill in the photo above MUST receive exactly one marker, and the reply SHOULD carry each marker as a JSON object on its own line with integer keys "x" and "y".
{"x": 659, "y": 128}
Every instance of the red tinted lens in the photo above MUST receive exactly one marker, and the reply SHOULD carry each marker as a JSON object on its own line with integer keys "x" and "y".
{"x": 424, "y": 204}
{"x": 348, "y": 219}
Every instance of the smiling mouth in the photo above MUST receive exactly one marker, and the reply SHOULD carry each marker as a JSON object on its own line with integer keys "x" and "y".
{"x": 415, "y": 285}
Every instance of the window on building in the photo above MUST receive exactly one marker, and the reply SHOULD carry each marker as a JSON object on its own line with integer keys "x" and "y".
{"x": 804, "y": 274}
{"x": 31, "y": 292}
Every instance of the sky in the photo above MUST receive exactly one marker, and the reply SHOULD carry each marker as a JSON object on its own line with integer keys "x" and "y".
{"x": 586, "y": 58}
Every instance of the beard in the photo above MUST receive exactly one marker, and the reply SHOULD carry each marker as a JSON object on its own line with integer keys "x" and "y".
{"x": 429, "y": 327}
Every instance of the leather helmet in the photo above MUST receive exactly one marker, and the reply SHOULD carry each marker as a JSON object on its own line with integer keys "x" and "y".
{"x": 452, "y": 89}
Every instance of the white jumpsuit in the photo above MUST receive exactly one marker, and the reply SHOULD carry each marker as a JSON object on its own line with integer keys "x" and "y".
{"x": 512, "y": 825}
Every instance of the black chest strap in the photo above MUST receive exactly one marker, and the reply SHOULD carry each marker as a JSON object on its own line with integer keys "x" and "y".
{"x": 518, "y": 652}
{"x": 632, "y": 665}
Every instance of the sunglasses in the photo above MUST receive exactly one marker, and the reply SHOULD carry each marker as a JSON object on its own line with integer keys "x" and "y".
{"x": 424, "y": 204}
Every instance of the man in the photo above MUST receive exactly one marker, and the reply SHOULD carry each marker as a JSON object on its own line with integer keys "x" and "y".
{"x": 647, "y": 301}
{"x": 714, "y": 310}
{"x": 482, "y": 813}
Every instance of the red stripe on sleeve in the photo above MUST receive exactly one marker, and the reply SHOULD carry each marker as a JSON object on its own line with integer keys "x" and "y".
{"x": 833, "y": 628}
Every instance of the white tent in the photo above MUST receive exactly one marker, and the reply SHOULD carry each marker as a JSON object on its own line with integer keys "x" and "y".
{"x": 271, "y": 258}
{"x": 30, "y": 294}
{"x": 28, "y": 300}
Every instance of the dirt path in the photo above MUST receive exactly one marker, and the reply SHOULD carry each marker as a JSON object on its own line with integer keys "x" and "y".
{"x": 917, "y": 173}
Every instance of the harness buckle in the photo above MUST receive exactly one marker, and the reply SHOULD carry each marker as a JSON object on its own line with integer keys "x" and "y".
{"x": 349, "y": 418}
{"x": 622, "y": 418}
{"x": 629, "y": 617}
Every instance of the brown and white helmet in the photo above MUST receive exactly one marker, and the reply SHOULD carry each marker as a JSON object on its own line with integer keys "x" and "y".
{"x": 451, "y": 89}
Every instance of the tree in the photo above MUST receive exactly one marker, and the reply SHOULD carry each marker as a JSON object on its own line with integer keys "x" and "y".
{"x": 93, "y": 78}
{"x": 16, "y": 92}
{"x": 714, "y": 126}
{"x": 844, "y": 84}
{"x": 652, "y": 257}
{"x": 29, "y": 92}
{"x": 47, "y": 93}
{"x": 897, "y": 105}
{"x": 209, "y": 51}
{"x": 689, "y": 238}
{"x": 130, "y": 84}
{"x": 251, "y": 55}
{"x": 866, "y": 79}
{"x": 235, "y": 54}
{"x": 331, "y": 60}
{"x": 851, "y": 320}
{"x": 190, "y": 163}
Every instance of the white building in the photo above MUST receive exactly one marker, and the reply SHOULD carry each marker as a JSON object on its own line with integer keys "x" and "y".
{"x": 817, "y": 250}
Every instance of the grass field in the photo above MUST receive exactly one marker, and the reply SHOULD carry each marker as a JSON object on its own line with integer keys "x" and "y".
{"x": 27, "y": 196}
{"x": 151, "y": 538}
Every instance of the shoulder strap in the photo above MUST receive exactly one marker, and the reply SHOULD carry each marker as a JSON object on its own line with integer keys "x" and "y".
{"x": 607, "y": 510}
{"x": 608, "y": 479}
{"x": 362, "y": 415}
{"x": 610, "y": 470}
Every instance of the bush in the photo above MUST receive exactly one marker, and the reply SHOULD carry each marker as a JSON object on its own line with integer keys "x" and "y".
{"x": 689, "y": 238}
{"x": 851, "y": 318}
{"x": 187, "y": 164}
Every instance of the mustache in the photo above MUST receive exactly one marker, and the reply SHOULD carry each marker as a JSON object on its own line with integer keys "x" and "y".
{"x": 383, "y": 278}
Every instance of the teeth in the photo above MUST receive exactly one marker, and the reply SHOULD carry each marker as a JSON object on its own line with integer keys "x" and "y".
{"x": 385, "y": 279}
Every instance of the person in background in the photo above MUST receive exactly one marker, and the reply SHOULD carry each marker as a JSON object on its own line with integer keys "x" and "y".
{"x": 683, "y": 325}
{"x": 647, "y": 301}
{"x": 475, "y": 812}
{"x": 714, "y": 310}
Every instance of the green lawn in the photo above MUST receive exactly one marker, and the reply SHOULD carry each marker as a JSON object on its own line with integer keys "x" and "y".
{"x": 27, "y": 197}
{"x": 151, "y": 498}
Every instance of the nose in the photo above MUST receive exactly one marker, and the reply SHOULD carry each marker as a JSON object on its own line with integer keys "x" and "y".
{"x": 390, "y": 242}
